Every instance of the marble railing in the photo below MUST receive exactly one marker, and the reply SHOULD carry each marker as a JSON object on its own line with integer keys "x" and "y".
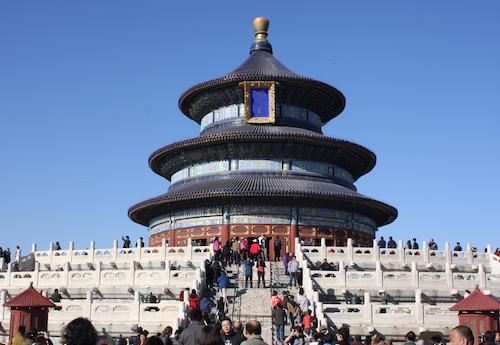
{"x": 397, "y": 255}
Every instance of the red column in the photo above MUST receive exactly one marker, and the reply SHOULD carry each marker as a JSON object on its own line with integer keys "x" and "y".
{"x": 294, "y": 232}
{"x": 225, "y": 234}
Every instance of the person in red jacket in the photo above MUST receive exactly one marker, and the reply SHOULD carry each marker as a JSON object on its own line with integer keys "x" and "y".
{"x": 194, "y": 300}
{"x": 254, "y": 250}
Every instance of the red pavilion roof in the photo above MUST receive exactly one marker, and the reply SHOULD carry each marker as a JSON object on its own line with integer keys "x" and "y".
{"x": 29, "y": 298}
{"x": 476, "y": 301}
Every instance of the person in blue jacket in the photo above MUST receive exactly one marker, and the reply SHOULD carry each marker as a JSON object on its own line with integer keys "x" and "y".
{"x": 248, "y": 272}
{"x": 223, "y": 283}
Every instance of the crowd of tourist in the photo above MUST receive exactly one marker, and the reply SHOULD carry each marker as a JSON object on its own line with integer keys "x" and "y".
{"x": 198, "y": 332}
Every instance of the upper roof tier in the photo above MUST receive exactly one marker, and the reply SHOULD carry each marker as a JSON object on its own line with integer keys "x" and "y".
{"x": 293, "y": 89}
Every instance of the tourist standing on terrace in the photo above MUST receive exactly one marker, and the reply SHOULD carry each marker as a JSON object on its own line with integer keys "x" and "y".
{"x": 381, "y": 242}
{"x": 415, "y": 244}
{"x": 254, "y": 250}
{"x": 432, "y": 245}
{"x": 217, "y": 249}
{"x": 263, "y": 246}
{"x": 243, "y": 248}
{"x": 226, "y": 253}
{"x": 391, "y": 243}
{"x": 235, "y": 247}
{"x": 277, "y": 248}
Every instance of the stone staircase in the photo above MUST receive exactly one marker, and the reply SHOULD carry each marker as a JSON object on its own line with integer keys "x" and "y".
{"x": 254, "y": 303}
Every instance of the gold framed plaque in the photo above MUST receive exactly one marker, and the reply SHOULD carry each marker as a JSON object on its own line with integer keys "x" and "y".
{"x": 260, "y": 101}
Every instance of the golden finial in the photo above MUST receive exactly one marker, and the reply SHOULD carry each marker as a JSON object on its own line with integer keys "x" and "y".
{"x": 260, "y": 25}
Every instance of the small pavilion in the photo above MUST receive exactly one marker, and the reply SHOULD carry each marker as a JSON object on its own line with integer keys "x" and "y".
{"x": 478, "y": 312}
{"x": 30, "y": 309}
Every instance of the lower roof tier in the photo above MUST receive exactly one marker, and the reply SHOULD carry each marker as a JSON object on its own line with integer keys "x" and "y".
{"x": 262, "y": 190}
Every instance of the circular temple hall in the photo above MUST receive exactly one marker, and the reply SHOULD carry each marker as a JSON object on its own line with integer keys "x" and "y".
{"x": 261, "y": 164}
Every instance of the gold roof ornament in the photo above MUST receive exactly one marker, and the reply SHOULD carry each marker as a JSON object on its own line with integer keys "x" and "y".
{"x": 261, "y": 25}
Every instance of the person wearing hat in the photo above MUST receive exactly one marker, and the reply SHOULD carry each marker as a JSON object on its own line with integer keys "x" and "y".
{"x": 326, "y": 337}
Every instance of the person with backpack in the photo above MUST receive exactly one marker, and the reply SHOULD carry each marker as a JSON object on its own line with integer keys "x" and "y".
{"x": 261, "y": 270}
{"x": 293, "y": 311}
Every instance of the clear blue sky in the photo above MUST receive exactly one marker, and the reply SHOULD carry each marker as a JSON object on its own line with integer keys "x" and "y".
{"x": 89, "y": 89}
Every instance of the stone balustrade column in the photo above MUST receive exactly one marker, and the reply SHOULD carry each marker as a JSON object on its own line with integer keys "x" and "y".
{"x": 350, "y": 250}
{"x": 98, "y": 273}
{"x": 114, "y": 251}
{"x": 8, "y": 276}
{"x": 368, "y": 310}
{"x": 33, "y": 250}
{"x": 163, "y": 249}
{"x": 197, "y": 283}
{"x": 419, "y": 307}
{"x": 482, "y": 276}
{"x": 425, "y": 252}
{"x": 91, "y": 256}
{"x": 36, "y": 273}
{"x": 167, "y": 272}
{"x": 3, "y": 299}
{"x": 70, "y": 252}
{"x": 449, "y": 275}
{"x": 379, "y": 279}
{"x": 447, "y": 252}
{"x": 414, "y": 275}
{"x": 318, "y": 311}
{"x": 2, "y": 264}
{"x": 66, "y": 273}
{"x": 307, "y": 280}
{"x": 342, "y": 273}
{"x": 400, "y": 252}
{"x": 376, "y": 250}
{"x": 470, "y": 254}
{"x": 131, "y": 278}
{"x": 51, "y": 250}
{"x": 322, "y": 250}
{"x": 87, "y": 307}
{"x": 189, "y": 250}
{"x": 136, "y": 307}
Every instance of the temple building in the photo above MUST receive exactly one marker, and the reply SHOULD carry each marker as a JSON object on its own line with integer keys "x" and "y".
{"x": 261, "y": 164}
